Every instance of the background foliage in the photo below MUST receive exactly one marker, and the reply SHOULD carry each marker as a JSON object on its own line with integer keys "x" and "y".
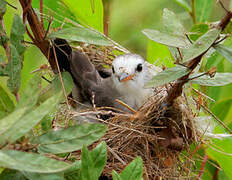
{"x": 126, "y": 21}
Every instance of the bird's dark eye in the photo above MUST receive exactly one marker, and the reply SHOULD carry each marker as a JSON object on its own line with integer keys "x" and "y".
{"x": 139, "y": 68}
{"x": 113, "y": 69}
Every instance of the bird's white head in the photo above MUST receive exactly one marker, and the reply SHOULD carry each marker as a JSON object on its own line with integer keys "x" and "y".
{"x": 129, "y": 69}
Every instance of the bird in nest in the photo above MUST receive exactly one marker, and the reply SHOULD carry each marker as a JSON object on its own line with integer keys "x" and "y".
{"x": 125, "y": 82}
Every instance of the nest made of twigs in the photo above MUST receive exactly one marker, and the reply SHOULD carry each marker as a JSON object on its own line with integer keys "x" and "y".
{"x": 158, "y": 131}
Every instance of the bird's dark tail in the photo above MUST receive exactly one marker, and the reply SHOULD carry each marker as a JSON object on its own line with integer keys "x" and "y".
{"x": 63, "y": 52}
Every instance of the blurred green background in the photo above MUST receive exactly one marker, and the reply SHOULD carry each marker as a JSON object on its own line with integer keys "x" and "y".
{"x": 127, "y": 18}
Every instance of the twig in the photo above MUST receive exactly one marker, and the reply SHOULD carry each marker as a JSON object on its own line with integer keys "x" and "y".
{"x": 215, "y": 117}
{"x": 126, "y": 106}
{"x": 115, "y": 155}
{"x": 202, "y": 94}
{"x": 62, "y": 84}
{"x": 222, "y": 5}
{"x": 11, "y": 5}
{"x": 41, "y": 13}
{"x": 201, "y": 171}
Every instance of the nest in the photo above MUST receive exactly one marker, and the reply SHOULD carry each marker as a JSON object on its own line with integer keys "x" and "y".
{"x": 158, "y": 132}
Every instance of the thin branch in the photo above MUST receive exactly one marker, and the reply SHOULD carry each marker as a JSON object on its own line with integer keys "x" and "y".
{"x": 202, "y": 167}
{"x": 41, "y": 13}
{"x": 216, "y": 118}
{"x": 62, "y": 84}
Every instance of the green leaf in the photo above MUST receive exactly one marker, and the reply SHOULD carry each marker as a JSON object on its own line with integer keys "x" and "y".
{"x": 168, "y": 75}
{"x": 29, "y": 96}
{"x": 198, "y": 30}
{"x": 30, "y": 162}
{"x": 184, "y": 5}
{"x": 224, "y": 51}
{"x": 81, "y": 34}
{"x": 99, "y": 157}
{"x": 203, "y": 9}
{"x": 6, "y": 103}
{"x": 173, "y": 25}
{"x": 2, "y": 8}
{"x": 201, "y": 45}
{"x": 82, "y": 9}
{"x": 159, "y": 54}
{"x": 13, "y": 70}
{"x": 73, "y": 173}
{"x": 12, "y": 174}
{"x": 134, "y": 171}
{"x": 9, "y": 121}
{"x": 92, "y": 163}
{"x": 67, "y": 80}
{"x": 222, "y": 154}
{"x": 38, "y": 176}
{"x": 16, "y": 35}
{"x": 70, "y": 139}
{"x": 222, "y": 108}
{"x": 20, "y": 125}
{"x": 174, "y": 34}
{"x": 220, "y": 79}
{"x": 173, "y": 40}
{"x": 115, "y": 175}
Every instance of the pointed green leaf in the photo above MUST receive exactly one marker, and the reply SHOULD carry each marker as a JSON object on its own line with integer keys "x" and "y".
{"x": 92, "y": 163}
{"x": 174, "y": 40}
{"x": 87, "y": 165}
{"x": 203, "y": 9}
{"x": 224, "y": 51}
{"x": 30, "y": 162}
{"x": 184, "y": 5}
{"x": 70, "y": 139}
{"x": 82, "y": 9}
{"x": 134, "y": 171}
{"x": 81, "y": 34}
{"x": 220, "y": 79}
{"x": 168, "y": 75}
{"x": 13, "y": 70}
{"x": 22, "y": 125}
{"x": 99, "y": 157}
{"x": 16, "y": 35}
{"x": 201, "y": 45}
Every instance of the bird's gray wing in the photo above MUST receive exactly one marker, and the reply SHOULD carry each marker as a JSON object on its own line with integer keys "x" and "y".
{"x": 89, "y": 84}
